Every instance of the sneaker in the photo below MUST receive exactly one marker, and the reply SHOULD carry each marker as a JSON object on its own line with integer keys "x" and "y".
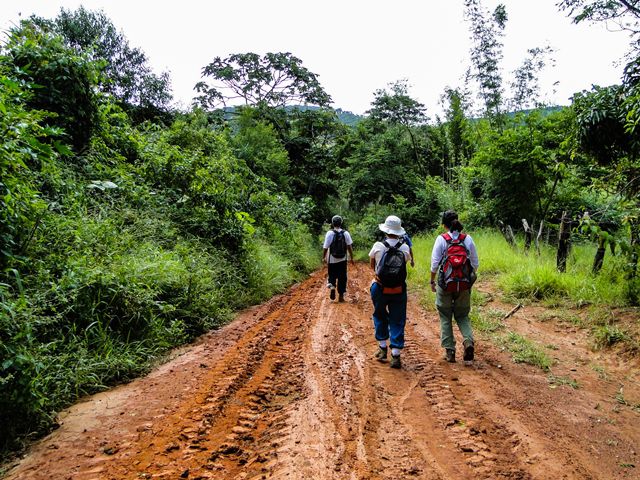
{"x": 381, "y": 354}
{"x": 450, "y": 355}
{"x": 341, "y": 297}
{"x": 395, "y": 361}
{"x": 468, "y": 351}
{"x": 332, "y": 292}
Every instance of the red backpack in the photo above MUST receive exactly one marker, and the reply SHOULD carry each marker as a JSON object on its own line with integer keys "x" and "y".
{"x": 455, "y": 272}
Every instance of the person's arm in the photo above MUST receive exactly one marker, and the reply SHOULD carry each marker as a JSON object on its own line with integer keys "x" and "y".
{"x": 436, "y": 255}
{"x": 413, "y": 263}
{"x": 325, "y": 247}
{"x": 473, "y": 254}
{"x": 350, "y": 250}
{"x": 372, "y": 255}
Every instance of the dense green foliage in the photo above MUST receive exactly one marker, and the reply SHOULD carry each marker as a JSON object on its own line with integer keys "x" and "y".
{"x": 127, "y": 228}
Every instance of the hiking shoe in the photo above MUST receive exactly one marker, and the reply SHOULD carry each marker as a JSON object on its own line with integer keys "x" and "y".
{"x": 450, "y": 355}
{"x": 341, "y": 297}
{"x": 332, "y": 292}
{"x": 381, "y": 354}
{"x": 395, "y": 361}
{"x": 468, "y": 351}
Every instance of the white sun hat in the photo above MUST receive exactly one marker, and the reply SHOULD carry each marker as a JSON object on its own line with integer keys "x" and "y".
{"x": 392, "y": 225}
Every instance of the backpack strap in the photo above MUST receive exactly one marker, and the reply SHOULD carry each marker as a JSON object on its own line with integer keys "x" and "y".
{"x": 397, "y": 245}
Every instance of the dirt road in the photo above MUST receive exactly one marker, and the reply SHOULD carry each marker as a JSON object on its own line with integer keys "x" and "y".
{"x": 290, "y": 390}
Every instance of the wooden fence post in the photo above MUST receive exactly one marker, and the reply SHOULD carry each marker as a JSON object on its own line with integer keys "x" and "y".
{"x": 537, "y": 240}
{"x": 599, "y": 258}
{"x": 564, "y": 237}
{"x": 507, "y": 232}
{"x": 635, "y": 247}
{"x": 528, "y": 234}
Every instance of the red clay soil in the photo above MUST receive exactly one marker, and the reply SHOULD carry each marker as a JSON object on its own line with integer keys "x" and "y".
{"x": 290, "y": 390}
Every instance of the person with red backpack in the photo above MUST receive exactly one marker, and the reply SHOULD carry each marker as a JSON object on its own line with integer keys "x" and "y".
{"x": 388, "y": 259}
{"x": 336, "y": 250}
{"x": 454, "y": 260}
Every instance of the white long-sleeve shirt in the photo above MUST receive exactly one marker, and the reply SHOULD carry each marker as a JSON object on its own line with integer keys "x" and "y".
{"x": 440, "y": 248}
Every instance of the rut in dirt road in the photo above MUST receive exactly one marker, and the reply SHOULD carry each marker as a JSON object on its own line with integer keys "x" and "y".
{"x": 290, "y": 390}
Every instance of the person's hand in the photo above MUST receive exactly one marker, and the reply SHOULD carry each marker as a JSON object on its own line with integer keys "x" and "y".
{"x": 433, "y": 286}
{"x": 353, "y": 262}
{"x": 412, "y": 263}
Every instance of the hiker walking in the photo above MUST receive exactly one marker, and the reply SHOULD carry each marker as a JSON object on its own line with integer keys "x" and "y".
{"x": 388, "y": 259}
{"x": 336, "y": 251}
{"x": 455, "y": 261}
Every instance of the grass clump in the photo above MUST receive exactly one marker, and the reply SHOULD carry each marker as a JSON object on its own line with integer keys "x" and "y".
{"x": 559, "y": 381}
{"x": 525, "y": 351}
{"x": 535, "y": 284}
{"x": 487, "y": 321}
{"x": 608, "y": 335}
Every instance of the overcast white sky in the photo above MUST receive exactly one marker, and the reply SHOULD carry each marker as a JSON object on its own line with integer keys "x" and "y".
{"x": 354, "y": 46}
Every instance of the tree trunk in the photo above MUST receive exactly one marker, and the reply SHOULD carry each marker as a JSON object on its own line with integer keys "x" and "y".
{"x": 528, "y": 235}
{"x": 564, "y": 237}
{"x": 599, "y": 258}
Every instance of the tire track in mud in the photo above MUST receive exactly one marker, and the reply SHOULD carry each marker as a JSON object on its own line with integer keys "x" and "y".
{"x": 486, "y": 445}
{"x": 238, "y": 421}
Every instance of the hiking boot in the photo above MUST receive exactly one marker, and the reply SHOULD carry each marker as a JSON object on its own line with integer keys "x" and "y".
{"x": 450, "y": 355}
{"x": 468, "y": 351}
{"x": 332, "y": 291}
{"x": 341, "y": 297}
{"x": 381, "y": 354}
{"x": 395, "y": 361}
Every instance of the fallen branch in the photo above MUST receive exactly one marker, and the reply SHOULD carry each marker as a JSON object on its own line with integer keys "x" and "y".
{"x": 513, "y": 310}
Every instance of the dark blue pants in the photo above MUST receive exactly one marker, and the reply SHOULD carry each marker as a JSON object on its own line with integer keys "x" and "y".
{"x": 389, "y": 315}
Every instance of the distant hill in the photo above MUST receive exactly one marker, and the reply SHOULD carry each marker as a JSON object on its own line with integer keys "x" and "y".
{"x": 346, "y": 117}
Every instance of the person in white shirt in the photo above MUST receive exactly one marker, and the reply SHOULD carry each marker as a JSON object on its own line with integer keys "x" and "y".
{"x": 390, "y": 301}
{"x": 454, "y": 304}
{"x": 337, "y": 249}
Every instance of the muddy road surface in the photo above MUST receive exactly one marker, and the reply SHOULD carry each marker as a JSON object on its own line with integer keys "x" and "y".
{"x": 290, "y": 389}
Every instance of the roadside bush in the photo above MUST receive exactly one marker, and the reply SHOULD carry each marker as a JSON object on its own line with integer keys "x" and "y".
{"x": 63, "y": 78}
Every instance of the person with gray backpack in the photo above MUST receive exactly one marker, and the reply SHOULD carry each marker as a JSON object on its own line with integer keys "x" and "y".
{"x": 336, "y": 251}
{"x": 388, "y": 259}
{"x": 454, "y": 262}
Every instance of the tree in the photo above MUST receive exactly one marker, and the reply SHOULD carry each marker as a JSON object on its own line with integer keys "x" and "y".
{"x": 274, "y": 80}
{"x": 457, "y": 130}
{"x": 126, "y": 73}
{"x": 378, "y": 165}
{"x": 312, "y": 145}
{"x": 623, "y": 13}
{"x": 525, "y": 85}
{"x": 520, "y": 167}
{"x": 398, "y": 108}
{"x": 257, "y": 143}
{"x": 486, "y": 54}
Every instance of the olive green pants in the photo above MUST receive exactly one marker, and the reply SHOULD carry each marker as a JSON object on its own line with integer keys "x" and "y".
{"x": 452, "y": 305}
